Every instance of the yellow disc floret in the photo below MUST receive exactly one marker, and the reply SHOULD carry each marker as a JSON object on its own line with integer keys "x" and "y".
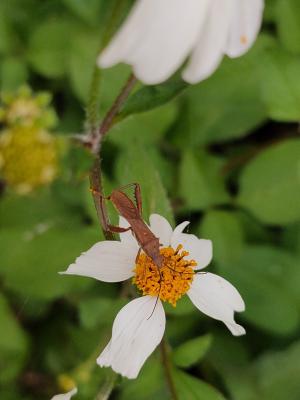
{"x": 25, "y": 108}
{"x": 28, "y": 158}
{"x": 171, "y": 281}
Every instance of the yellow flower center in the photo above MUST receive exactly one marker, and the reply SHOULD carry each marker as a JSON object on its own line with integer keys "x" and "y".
{"x": 171, "y": 281}
{"x": 28, "y": 158}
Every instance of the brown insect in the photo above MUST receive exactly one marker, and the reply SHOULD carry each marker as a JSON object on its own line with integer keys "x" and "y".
{"x": 148, "y": 242}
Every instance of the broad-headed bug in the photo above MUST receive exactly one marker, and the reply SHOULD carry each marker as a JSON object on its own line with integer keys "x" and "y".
{"x": 148, "y": 242}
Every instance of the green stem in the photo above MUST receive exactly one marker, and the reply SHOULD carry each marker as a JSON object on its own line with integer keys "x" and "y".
{"x": 93, "y": 103}
{"x": 95, "y": 172}
{"x": 107, "y": 387}
{"x": 96, "y": 133}
{"x": 168, "y": 368}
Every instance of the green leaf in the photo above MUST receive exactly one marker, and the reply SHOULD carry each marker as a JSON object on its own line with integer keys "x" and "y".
{"x": 88, "y": 10}
{"x": 278, "y": 374}
{"x": 272, "y": 376}
{"x": 228, "y": 105}
{"x": 200, "y": 182}
{"x": 183, "y": 307}
{"x": 13, "y": 344}
{"x": 192, "y": 351}
{"x": 288, "y": 21}
{"x": 260, "y": 276}
{"x": 7, "y": 39}
{"x": 150, "y": 97}
{"x": 99, "y": 311}
{"x": 31, "y": 260}
{"x": 270, "y": 184}
{"x": 191, "y": 388}
{"x": 154, "y": 123}
{"x": 134, "y": 165}
{"x": 149, "y": 385}
{"x": 40, "y": 208}
{"x": 226, "y": 233}
{"x": 113, "y": 79}
{"x": 281, "y": 85}
{"x": 49, "y": 47}
{"x": 13, "y": 73}
{"x": 83, "y": 53}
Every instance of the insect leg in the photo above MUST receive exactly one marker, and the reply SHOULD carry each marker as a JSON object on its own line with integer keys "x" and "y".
{"x": 105, "y": 219}
{"x": 137, "y": 194}
{"x": 138, "y": 198}
{"x": 118, "y": 229}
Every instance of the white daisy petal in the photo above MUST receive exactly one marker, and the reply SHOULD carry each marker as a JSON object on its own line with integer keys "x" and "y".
{"x": 199, "y": 250}
{"x": 209, "y": 51}
{"x": 127, "y": 237}
{"x": 137, "y": 331}
{"x": 154, "y": 40}
{"x": 244, "y": 26}
{"x": 181, "y": 227}
{"x": 65, "y": 396}
{"x": 161, "y": 229}
{"x": 108, "y": 261}
{"x": 217, "y": 298}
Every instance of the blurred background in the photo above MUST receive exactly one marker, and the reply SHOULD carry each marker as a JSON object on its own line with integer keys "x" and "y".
{"x": 224, "y": 154}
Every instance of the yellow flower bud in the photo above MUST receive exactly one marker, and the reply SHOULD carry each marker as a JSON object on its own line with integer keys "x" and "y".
{"x": 28, "y": 158}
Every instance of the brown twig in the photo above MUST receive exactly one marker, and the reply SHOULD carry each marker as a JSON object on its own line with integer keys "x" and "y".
{"x": 112, "y": 113}
{"x": 96, "y": 143}
{"x": 96, "y": 189}
{"x": 168, "y": 369}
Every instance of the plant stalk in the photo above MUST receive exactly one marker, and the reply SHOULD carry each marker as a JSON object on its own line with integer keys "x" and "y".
{"x": 168, "y": 369}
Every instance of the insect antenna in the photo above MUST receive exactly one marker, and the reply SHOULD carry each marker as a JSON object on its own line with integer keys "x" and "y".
{"x": 156, "y": 301}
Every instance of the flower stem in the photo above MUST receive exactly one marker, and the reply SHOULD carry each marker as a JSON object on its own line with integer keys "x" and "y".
{"x": 107, "y": 387}
{"x": 168, "y": 368}
{"x": 108, "y": 120}
{"x": 93, "y": 102}
{"x": 95, "y": 132}
{"x": 95, "y": 172}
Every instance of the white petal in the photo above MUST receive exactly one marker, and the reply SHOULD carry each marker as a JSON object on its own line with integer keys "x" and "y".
{"x": 137, "y": 331}
{"x": 65, "y": 396}
{"x": 217, "y": 298}
{"x": 181, "y": 227}
{"x": 156, "y": 37}
{"x": 211, "y": 43}
{"x": 127, "y": 237}
{"x": 108, "y": 261}
{"x": 244, "y": 26}
{"x": 161, "y": 229}
{"x": 199, "y": 250}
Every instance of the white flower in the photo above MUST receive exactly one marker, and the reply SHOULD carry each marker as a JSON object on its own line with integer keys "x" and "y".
{"x": 65, "y": 396}
{"x": 159, "y": 35}
{"x": 140, "y": 325}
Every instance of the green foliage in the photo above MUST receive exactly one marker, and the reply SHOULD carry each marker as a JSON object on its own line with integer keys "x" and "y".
{"x": 223, "y": 154}
{"x": 281, "y": 85}
{"x": 150, "y": 384}
{"x": 270, "y": 184}
{"x": 13, "y": 73}
{"x": 150, "y": 97}
{"x": 51, "y": 60}
{"x": 189, "y": 387}
{"x": 13, "y": 344}
{"x": 225, "y": 230}
{"x": 227, "y": 105}
{"x": 200, "y": 181}
{"x": 88, "y": 10}
{"x": 192, "y": 351}
{"x": 288, "y": 14}
{"x": 134, "y": 165}
{"x": 263, "y": 269}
